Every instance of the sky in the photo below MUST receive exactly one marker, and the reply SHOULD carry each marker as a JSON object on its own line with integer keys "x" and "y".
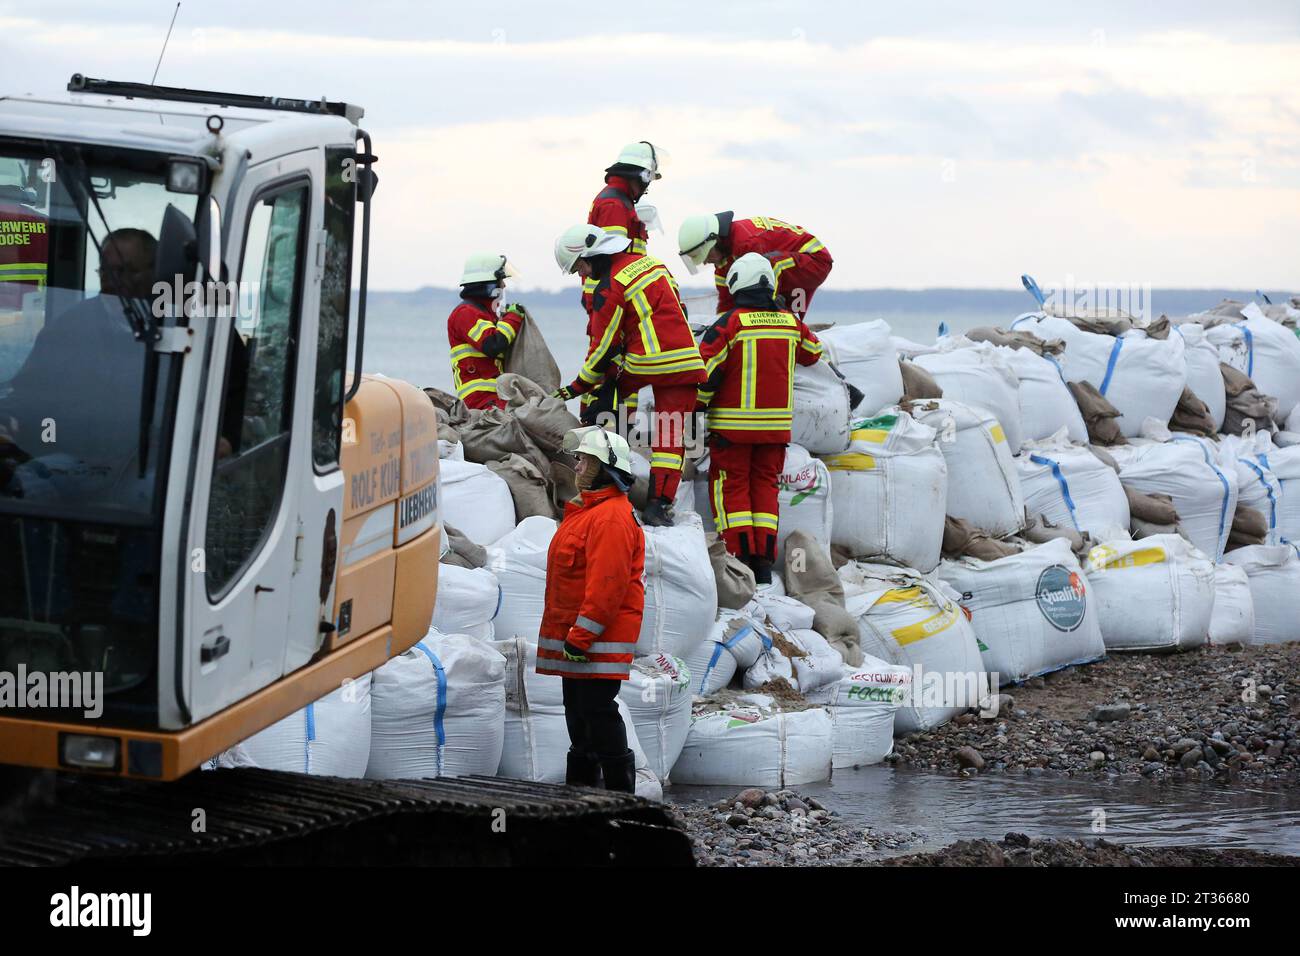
{"x": 927, "y": 144}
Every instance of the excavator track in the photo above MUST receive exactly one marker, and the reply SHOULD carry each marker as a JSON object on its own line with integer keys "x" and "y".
{"x": 269, "y": 818}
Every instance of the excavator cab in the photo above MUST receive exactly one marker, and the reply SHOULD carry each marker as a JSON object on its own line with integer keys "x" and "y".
{"x": 209, "y": 517}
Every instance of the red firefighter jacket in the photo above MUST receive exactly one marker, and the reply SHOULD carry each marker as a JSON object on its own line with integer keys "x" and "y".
{"x": 637, "y": 323}
{"x": 749, "y": 355}
{"x": 783, "y": 245}
{"x": 469, "y": 324}
{"x": 594, "y": 589}
{"x": 614, "y": 210}
{"x": 24, "y": 253}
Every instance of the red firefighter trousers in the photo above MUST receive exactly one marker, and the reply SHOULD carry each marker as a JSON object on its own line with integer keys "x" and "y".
{"x": 743, "y": 492}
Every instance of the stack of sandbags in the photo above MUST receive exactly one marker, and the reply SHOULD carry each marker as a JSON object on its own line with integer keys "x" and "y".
{"x": 1273, "y": 572}
{"x": 438, "y": 710}
{"x": 810, "y": 576}
{"x": 862, "y": 705}
{"x": 530, "y": 487}
{"x": 467, "y": 601}
{"x": 1284, "y": 463}
{"x": 1153, "y": 594}
{"x": 889, "y": 491}
{"x": 1073, "y": 488}
{"x": 865, "y": 356}
{"x": 736, "y": 641}
{"x": 477, "y": 500}
{"x": 756, "y": 742}
{"x": 1203, "y": 375}
{"x": 328, "y": 738}
{"x": 803, "y": 498}
{"x": 979, "y": 374}
{"x": 518, "y": 560}
{"x": 983, "y": 486}
{"x": 821, "y": 409}
{"x": 1046, "y": 405}
{"x": 1233, "y": 619}
{"x": 544, "y": 418}
{"x": 1141, "y": 376}
{"x": 681, "y": 597}
{"x": 1257, "y": 486}
{"x": 906, "y": 619}
{"x": 801, "y": 657}
{"x": 1030, "y": 611}
{"x": 1265, "y": 351}
{"x": 658, "y": 699}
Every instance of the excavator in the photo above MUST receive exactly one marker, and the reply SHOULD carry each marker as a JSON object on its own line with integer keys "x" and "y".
{"x": 210, "y": 516}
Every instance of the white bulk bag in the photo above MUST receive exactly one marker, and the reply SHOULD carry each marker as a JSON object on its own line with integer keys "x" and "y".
{"x": 1259, "y": 488}
{"x": 821, "y": 409}
{"x": 681, "y": 595}
{"x": 1204, "y": 377}
{"x": 438, "y": 710}
{"x": 786, "y": 613}
{"x": 328, "y": 738}
{"x": 710, "y": 664}
{"x": 658, "y": 697}
{"x": 803, "y": 498}
{"x": 979, "y": 374}
{"x": 1274, "y": 575}
{"x": 1233, "y": 618}
{"x": 1031, "y": 611}
{"x": 518, "y": 560}
{"x": 648, "y": 786}
{"x": 1267, "y": 351}
{"x": 1141, "y": 376}
{"x": 888, "y": 491}
{"x": 983, "y": 485}
{"x": 905, "y": 619}
{"x": 757, "y": 747}
{"x": 475, "y": 501}
{"x": 862, "y": 705}
{"x": 865, "y": 355}
{"x": 1153, "y": 594}
{"x": 1073, "y": 488}
{"x": 1284, "y": 463}
{"x": 536, "y": 740}
{"x": 1046, "y": 404}
{"x": 467, "y": 600}
{"x": 1204, "y": 494}
{"x": 820, "y": 664}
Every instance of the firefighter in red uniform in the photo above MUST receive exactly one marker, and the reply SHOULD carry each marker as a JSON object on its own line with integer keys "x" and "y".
{"x": 638, "y": 336}
{"x": 24, "y": 246}
{"x": 480, "y": 332}
{"x": 615, "y": 207}
{"x": 799, "y": 260}
{"x": 749, "y": 354}
{"x": 595, "y": 597}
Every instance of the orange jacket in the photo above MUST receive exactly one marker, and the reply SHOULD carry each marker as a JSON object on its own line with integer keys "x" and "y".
{"x": 594, "y": 589}
{"x": 750, "y": 355}
{"x": 784, "y": 245}
{"x": 469, "y": 324}
{"x": 638, "y": 323}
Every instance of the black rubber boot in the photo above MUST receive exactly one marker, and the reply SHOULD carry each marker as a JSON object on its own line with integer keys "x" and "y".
{"x": 657, "y": 513}
{"x": 583, "y": 769}
{"x": 762, "y": 570}
{"x": 620, "y": 772}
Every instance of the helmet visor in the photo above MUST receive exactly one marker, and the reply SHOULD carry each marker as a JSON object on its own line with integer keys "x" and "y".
{"x": 690, "y": 264}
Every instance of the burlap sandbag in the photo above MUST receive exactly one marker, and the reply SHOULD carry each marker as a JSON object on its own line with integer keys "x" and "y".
{"x": 461, "y": 550}
{"x": 1158, "y": 328}
{"x": 963, "y": 539}
{"x": 735, "y": 579}
{"x": 530, "y": 357}
{"x": 1153, "y": 509}
{"x": 1146, "y": 529}
{"x": 1115, "y": 323}
{"x": 450, "y": 409}
{"x": 1039, "y": 530}
{"x": 494, "y": 433}
{"x": 1105, "y": 457}
{"x": 810, "y": 577}
{"x": 545, "y": 419}
{"x": 1248, "y": 407}
{"x": 1249, "y": 526}
{"x": 1099, "y": 415}
{"x": 529, "y": 486}
{"x": 1016, "y": 340}
{"x": 918, "y": 384}
{"x": 1193, "y": 416}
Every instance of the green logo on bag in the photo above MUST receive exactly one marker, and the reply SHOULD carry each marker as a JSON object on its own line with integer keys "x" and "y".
{"x": 1062, "y": 597}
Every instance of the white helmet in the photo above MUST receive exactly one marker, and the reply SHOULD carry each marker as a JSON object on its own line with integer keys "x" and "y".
{"x": 696, "y": 239}
{"x": 486, "y": 267}
{"x": 608, "y": 447}
{"x": 644, "y": 158}
{"x": 585, "y": 241}
{"x": 752, "y": 270}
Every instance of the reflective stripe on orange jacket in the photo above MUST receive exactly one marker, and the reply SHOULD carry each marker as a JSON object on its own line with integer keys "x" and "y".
{"x": 594, "y": 589}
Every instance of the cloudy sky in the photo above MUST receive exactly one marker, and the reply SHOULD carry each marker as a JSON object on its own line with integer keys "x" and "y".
{"x": 928, "y": 143}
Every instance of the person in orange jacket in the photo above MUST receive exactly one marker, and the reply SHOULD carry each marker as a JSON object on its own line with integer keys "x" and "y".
{"x": 638, "y": 336}
{"x": 480, "y": 332}
{"x": 595, "y": 597}
{"x": 749, "y": 354}
{"x": 800, "y": 261}
{"x": 615, "y": 207}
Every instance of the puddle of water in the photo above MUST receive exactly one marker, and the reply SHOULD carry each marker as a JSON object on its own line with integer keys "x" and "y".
{"x": 941, "y": 809}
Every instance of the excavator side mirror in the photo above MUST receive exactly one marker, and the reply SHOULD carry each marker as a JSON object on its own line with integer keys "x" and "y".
{"x": 367, "y": 183}
{"x": 178, "y": 248}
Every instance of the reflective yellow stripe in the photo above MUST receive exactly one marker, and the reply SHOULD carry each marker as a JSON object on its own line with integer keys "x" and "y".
{"x": 633, "y": 270}
{"x": 589, "y": 284}
{"x": 739, "y": 519}
{"x": 621, "y": 230}
{"x": 719, "y": 279}
{"x": 768, "y": 319}
{"x": 748, "y": 425}
{"x": 506, "y": 329}
{"x": 663, "y": 459}
{"x": 477, "y": 385}
{"x": 638, "y": 247}
{"x": 588, "y": 373}
{"x": 748, "y": 373}
{"x": 812, "y": 245}
{"x": 764, "y": 520}
{"x": 35, "y": 277}
{"x": 850, "y": 461}
{"x": 781, "y": 266}
{"x": 811, "y": 347}
{"x": 481, "y": 326}
{"x": 465, "y": 351}
{"x": 719, "y": 512}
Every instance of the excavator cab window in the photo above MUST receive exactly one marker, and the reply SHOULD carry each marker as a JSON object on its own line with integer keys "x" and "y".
{"x": 335, "y": 299}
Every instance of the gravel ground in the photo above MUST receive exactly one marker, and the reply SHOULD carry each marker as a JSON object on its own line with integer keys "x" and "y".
{"x": 1210, "y": 714}
{"x": 784, "y": 828}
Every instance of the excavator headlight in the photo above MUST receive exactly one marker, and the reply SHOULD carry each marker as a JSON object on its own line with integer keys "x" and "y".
{"x": 185, "y": 176}
{"x": 89, "y": 751}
